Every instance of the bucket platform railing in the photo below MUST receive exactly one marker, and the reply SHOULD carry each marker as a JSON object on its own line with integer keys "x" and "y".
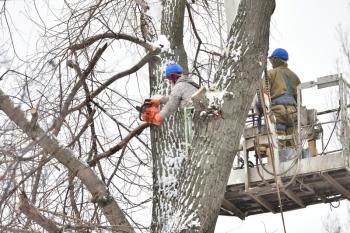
{"x": 307, "y": 177}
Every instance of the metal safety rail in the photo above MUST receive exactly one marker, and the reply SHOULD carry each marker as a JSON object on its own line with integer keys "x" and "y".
{"x": 304, "y": 180}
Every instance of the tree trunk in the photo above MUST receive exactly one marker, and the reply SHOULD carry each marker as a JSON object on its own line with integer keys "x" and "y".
{"x": 168, "y": 149}
{"x": 191, "y": 203}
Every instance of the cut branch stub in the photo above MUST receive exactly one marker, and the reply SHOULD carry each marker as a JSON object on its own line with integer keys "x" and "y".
{"x": 209, "y": 103}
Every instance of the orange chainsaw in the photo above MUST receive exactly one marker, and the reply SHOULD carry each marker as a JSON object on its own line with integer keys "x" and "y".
{"x": 147, "y": 111}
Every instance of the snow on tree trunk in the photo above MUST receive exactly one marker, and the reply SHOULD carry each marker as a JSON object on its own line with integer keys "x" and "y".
{"x": 168, "y": 150}
{"x": 189, "y": 189}
{"x": 216, "y": 140}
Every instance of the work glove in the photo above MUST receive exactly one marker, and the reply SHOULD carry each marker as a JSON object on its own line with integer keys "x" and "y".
{"x": 157, "y": 119}
{"x": 154, "y": 102}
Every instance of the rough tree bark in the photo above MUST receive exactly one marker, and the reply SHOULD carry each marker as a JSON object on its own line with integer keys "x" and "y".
{"x": 167, "y": 157}
{"x": 189, "y": 189}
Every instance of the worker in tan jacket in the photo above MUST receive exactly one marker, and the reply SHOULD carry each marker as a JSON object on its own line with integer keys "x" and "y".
{"x": 283, "y": 92}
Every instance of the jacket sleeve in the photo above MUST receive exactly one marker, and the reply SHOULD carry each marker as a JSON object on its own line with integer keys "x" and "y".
{"x": 164, "y": 99}
{"x": 173, "y": 102}
{"x": 296, "y": 83}
{"x": 271, "y": 75}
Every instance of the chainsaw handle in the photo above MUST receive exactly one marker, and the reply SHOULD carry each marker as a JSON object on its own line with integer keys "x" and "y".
{"x": 140, "y": 109}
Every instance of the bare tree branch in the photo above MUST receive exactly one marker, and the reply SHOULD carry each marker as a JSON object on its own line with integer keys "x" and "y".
{"x": 48, "y": 142}
{"x": 149, "y": 56}
{"x": 33, "y": 214}
{"x": 120, "y": 145}
{"x": 59, "y": 121}
{"x": 110, "y": 35}
{"x": 143, "y": 4}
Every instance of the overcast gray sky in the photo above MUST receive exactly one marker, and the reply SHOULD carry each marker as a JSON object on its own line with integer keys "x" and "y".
{"x": 307, "y": 29}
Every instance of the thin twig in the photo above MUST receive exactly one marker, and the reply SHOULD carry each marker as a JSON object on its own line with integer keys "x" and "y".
{"x": 120, "y": 145}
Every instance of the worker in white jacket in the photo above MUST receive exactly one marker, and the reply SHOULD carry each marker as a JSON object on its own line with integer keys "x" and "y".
{"x": 180, "y": 95}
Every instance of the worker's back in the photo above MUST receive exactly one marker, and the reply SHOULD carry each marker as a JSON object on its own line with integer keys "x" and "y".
{"x": 283, "y": 85}
{"x": 180, "y": 96}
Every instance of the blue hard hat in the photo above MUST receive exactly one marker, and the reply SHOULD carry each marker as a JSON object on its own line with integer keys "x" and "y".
{"x": 280, "y": 53}
{"x": 173, "y": 68}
